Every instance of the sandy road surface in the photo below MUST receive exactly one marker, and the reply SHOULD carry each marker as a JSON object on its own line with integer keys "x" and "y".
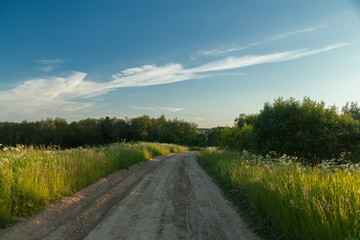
{"x": 167, "y": 197}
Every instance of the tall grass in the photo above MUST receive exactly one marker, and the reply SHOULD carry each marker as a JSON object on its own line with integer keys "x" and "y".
{"x": 32, "y": 177}
{"x": 300, "y": 202}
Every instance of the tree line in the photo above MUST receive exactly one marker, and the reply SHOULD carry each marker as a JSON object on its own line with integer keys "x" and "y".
{"x": 306, "y": 129}
{"x": 90, "y": 132}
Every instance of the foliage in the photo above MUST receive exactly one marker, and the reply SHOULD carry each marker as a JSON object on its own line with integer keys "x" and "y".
{"x": 31, "y": 177}
{"x": 93, "y": 132}
{"x": 298, "y": 202}
{"x": 305, "y": 129}
{"x": 235, "y": 138}
{"x": 213, "y": 136}
{"x": 245, "y": 119}
{"x": 353, "y": 109}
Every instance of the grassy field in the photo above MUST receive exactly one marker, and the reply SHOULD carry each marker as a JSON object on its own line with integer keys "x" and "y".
{"x": 30, "y": 177}
{"x": 294, "y": 201}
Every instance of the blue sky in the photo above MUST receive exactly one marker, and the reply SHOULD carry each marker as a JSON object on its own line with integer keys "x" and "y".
{"x": 201, "y": 61}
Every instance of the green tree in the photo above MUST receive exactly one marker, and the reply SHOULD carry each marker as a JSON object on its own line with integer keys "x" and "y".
{"x": 352, "y": 109}
{"x": 89, "y": 132}
{"x": 60, "y": 132}
{"x": 245, "y": 119}
{"x": 307, "y": 129}
{"x": 44, "y": 134}
{"x": 107, "y": 133}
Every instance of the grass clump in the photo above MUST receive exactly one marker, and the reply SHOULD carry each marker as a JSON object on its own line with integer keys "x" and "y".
{"x": 296, "y": 201}
{"x": 31, "y": 177}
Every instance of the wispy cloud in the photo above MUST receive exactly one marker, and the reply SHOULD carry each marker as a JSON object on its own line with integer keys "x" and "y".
{"x": 234, "y": 48}
{"x": 224, "y": 50}
{"x": 50, "y": 61}
{"x": 170, "y": 73}
{"x": 72, "y": 93}
{"x": 47, "y": 69}
{"x": 49, "y": 64}
{"x": 194, "y": 119}
{"x": 300, "y": 31}
{"x": 152, "y": 75}
{"x": 167, "y": 109}
{"x": 35, "y": 97}
{"x": 245, "y": 61}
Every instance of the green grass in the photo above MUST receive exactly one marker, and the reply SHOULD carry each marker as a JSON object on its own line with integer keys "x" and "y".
{"x": 297, "y": 202}
{"x": 31, "y": 177}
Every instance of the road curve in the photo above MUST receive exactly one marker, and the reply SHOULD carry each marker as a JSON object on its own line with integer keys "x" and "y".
{"x": 167, "y": 197}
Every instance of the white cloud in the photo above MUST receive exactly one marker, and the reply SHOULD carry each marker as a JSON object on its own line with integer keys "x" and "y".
{"x": 63, "y": 94}
{"x": 49, "y": 64}
{"x": 74, "y": 107}
{"x": 34, "y": 97}
{"x": 300, "y": 31}
{"x": 245, "y": 61}
{"x": 152, "y": 75}
{"x": 223, "y": 50}
{"x": 194, "y": 119}
{"x": 50, "y": 61}
{"x": 170, "y": 73}
{"x": 46, "y": 69}
{"x": 167, "y": 109}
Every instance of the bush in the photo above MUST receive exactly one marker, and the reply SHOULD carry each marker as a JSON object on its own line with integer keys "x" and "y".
{"x": 308, "y": 130}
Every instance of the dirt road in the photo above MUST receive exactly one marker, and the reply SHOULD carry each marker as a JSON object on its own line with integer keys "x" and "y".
{"x": 167, "y": 197}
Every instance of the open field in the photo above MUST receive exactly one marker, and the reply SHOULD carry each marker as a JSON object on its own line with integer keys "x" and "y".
{"x": 170, "y": 196}
{"x": 297, "y": 202}
{"x": 167, "y": 197}
{"x": 31, "y": 178}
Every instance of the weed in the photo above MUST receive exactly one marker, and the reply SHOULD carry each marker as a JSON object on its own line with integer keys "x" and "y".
{"x": 299, "y": 202}
{"x": 31, "y": 177}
